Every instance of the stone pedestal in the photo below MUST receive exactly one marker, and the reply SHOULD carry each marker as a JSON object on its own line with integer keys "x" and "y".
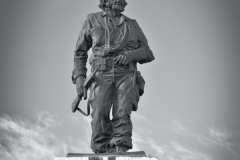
{"x": 107, "y": 156}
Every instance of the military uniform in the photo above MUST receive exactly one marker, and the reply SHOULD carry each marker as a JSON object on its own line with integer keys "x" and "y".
{"x": 115, "y": 85}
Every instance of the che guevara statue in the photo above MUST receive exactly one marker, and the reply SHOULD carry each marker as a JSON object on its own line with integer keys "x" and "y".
{"x": 118, "y": 44}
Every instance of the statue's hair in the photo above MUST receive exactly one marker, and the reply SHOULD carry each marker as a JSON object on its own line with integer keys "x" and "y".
{"x": 105, "y": 5}
{"x": 102, "y": 4}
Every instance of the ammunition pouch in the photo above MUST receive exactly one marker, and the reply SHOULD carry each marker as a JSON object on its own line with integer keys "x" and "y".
{"x": 141, "y": 83}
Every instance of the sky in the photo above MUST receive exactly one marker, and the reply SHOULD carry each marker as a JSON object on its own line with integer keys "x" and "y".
{"x": 190, "y": 108}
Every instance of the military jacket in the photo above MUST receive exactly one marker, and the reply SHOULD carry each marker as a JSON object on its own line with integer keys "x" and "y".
{"x": 104, "y": 37}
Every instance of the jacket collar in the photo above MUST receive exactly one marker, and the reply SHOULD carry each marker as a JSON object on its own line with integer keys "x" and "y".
{"x": 123, "y": 17}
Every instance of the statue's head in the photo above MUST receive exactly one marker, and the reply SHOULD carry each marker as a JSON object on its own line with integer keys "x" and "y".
{"x": 107, "y": 5}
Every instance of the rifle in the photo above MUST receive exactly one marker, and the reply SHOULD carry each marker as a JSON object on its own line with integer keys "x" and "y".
{"x": 87, "y": 83}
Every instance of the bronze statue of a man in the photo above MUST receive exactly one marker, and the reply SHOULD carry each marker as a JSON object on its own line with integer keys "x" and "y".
{"x": 118, "y": 44}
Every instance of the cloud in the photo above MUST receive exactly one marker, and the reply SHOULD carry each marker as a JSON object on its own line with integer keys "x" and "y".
{"x": 155, "y": 146}
{"x": 218, "y": 140}
{"x": 179, "y": 127}
{"x": 177, "y": 151}
{"x": 141, "y": 142}
{"x": 224, "y": 138}
{"x": 24, "y": 140}
{"x": 39, "y": 139}
{"x": 220, "y": 137}
{"x": 140, "y": 117}
{"x": 169, "y": 151}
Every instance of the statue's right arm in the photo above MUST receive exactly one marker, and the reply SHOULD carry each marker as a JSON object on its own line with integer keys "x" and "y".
{"x": 84, "y": 43}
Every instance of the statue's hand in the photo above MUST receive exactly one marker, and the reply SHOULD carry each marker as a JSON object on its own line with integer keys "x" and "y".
{"x": 80, "y": 86}
{"x": 121, "y": 59}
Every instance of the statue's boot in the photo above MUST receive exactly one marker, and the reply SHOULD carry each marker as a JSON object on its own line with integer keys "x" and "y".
{"x": 111, "y": 150}
{"x": 121, "y": 149}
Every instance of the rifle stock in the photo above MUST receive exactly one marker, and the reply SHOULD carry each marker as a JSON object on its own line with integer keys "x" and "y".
{"x": 87, "y": 83}
{"x": 76, "y": 102}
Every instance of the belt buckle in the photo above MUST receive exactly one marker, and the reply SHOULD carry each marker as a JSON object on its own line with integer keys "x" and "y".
{"x": 103, "y": 63}
{"x": 111, "y": 62}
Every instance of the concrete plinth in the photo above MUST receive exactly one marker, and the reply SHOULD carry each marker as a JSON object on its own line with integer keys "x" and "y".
{"x": 107, "y": 156}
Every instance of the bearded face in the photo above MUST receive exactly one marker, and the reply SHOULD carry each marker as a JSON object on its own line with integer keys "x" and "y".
{"x": 118, "y": 5}
{"x": 112, "y": 4}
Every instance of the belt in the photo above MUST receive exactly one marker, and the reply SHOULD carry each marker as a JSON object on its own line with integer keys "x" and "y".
{"x": 104, "y": 63}
{"x": 109, "y": 63}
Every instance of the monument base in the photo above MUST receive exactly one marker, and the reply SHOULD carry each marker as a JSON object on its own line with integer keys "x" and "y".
{"x": 107, "y": 156}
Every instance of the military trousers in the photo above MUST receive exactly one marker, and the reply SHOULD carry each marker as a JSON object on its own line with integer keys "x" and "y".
{"x": 118, "y": 92}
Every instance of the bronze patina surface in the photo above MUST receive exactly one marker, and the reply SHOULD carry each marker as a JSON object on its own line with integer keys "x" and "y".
{"x": 118, "y": 45}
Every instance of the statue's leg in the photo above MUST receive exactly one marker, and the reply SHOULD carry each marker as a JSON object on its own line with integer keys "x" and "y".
{"x": 101, "y": 102}
{"x": 125, "y": 96}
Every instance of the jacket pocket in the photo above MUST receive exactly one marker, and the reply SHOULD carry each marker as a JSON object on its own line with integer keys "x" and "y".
{"x": 98, "y": 36}
{"x": 132, "y": 32}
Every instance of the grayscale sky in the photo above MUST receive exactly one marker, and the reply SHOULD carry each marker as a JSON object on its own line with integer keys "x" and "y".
{"x": 190, "y": 109}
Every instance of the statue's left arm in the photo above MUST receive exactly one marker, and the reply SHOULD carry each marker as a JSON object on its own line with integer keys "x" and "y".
{"x": 143, "y": 53}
